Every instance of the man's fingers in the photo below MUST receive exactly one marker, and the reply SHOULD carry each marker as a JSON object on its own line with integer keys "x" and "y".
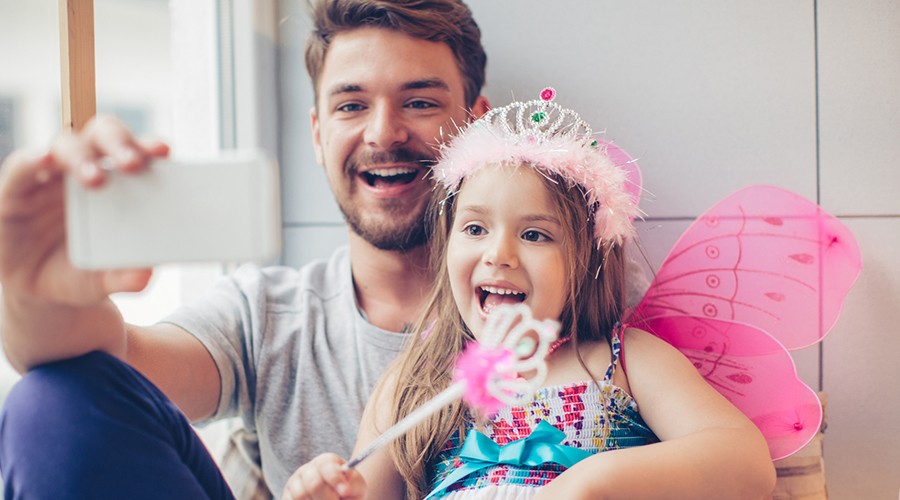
{"x": 105, "y": 143}
{"x": 154, "y": 148}
{"x": 125, "y": 280}
{"x": 22, "y": 172}
{"x": 112, "y": 139}
{"x": 77, "y": 155}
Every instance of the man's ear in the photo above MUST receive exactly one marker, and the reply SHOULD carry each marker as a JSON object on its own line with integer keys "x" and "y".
{"x": 317, "y": 142}
{"x": 480, "y": 107}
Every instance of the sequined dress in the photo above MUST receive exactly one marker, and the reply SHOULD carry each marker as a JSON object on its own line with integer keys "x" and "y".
{"x": 576, "y": 409}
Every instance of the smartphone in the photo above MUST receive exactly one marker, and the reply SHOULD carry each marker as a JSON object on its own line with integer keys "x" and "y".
{"x": 223, "y": 209}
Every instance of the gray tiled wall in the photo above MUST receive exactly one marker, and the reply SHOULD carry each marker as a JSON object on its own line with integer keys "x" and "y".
{"x": 710, "y": 96}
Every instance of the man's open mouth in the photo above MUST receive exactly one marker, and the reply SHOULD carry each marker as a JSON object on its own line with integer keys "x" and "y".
{"x": 385, "y": 177}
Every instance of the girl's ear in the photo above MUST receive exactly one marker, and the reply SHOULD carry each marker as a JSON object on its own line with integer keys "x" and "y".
{"x": 480, "y": 107}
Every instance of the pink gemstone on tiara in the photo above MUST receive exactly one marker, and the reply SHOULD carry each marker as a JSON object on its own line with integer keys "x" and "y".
{"x": 548, "y": 94}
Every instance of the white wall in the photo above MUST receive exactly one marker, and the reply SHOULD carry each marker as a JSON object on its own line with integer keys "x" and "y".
{"x": 710, "y": 96}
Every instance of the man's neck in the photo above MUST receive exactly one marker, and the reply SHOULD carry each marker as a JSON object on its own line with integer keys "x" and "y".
{"x": 391, "y": 286}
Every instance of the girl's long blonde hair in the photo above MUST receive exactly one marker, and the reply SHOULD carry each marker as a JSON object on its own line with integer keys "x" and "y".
{"x": 594, "y": 304}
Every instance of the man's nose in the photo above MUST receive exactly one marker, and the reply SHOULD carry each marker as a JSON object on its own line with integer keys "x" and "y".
{"x": 385, "y": 128}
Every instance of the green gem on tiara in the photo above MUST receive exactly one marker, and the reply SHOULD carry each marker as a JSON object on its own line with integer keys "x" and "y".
{"x": 538, "y": 116}
{"x": 594, "y": 143}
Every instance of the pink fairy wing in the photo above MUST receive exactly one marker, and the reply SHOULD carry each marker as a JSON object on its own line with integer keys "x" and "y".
{"x": 763, "y": 256}
{"x": 751, "y": 369}
{"x": 762, "y": 271}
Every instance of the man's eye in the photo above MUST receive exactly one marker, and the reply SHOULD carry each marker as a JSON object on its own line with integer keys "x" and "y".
{"x": 421, "y": 105}
{"x": 350, "y": 107}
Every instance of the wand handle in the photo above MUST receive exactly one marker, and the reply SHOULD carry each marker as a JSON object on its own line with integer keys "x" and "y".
{"x": 443, "y": 399}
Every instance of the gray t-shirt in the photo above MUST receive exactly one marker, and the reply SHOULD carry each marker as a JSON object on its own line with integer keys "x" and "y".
{"x": 296, "y": 358}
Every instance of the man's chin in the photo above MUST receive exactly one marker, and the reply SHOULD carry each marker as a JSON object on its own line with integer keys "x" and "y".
{"x": 395, "y": 239}
{"x": 394, "y": 244}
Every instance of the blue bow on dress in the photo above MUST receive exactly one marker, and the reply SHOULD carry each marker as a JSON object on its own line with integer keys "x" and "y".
{"x": 538, "y": 448}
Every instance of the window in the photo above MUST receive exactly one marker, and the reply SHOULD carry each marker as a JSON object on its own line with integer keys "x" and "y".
{"x": 7, "y": 126}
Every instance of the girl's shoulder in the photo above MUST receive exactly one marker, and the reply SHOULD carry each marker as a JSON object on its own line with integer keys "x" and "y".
{"x": 655, "y": 366}
{"x": 644, "y": 355}
{"x": 643, "y": 343}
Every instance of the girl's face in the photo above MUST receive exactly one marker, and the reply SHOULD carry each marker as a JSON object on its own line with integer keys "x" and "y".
{"x": 506, "y": 246}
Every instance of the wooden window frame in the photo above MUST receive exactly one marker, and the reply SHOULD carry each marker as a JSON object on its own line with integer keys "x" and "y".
{"x": 76, "y": 43}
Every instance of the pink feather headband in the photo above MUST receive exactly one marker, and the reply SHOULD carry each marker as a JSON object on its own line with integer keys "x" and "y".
{"x": 553, "y": 140}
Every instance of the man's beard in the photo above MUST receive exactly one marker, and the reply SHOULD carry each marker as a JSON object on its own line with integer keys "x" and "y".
{"x": 386, "y": 234}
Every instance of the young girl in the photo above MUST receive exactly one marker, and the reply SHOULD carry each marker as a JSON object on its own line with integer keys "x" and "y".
{"x": 538, "y": 213}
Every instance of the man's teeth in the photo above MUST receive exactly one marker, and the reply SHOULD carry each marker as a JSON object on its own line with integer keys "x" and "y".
{"x": 390, "y": 172}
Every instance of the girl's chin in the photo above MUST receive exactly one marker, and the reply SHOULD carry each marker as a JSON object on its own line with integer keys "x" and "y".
{"x": 475, "y": 326}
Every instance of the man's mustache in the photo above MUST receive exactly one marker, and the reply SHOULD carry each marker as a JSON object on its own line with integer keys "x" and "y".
{"x": 402, "y": 155}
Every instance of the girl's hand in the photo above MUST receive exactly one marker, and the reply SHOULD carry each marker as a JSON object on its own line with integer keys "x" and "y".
{"x": 324, "y": 478}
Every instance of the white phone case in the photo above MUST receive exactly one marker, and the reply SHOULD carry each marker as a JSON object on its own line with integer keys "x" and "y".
{"x": 225, "y": 209}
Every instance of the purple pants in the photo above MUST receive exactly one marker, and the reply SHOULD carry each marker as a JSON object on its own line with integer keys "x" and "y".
{"x": 93, "y": 427}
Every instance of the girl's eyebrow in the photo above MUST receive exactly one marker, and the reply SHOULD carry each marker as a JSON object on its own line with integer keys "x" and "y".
{"x": 482, "y": 210}
{"x": 476, "y": 209}
{"x": 542, "y": 218}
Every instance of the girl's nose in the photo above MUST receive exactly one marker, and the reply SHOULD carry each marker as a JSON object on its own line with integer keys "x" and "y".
{"x": 501, "y": 253}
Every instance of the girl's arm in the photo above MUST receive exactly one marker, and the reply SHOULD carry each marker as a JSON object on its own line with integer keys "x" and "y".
{"x": 708, "y": 448}
{"x": 379, "y": 471}
{"x": 324, "y": 477}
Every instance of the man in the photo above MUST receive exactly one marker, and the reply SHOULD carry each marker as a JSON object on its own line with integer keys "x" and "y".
{"x": 294, "y": 352}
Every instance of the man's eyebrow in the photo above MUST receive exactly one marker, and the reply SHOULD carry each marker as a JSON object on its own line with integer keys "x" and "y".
{"x": 346, "y": 88}
{"x": 426, "y": 83}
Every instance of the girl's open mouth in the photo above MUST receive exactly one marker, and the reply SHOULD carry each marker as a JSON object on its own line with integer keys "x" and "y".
{"x": 491, "y": 296}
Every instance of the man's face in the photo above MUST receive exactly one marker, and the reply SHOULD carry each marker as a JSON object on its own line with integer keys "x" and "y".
{"x": 384, "y": 100}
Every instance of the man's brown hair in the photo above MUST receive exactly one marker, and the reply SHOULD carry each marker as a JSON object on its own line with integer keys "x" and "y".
{"x": 446, "y": 21}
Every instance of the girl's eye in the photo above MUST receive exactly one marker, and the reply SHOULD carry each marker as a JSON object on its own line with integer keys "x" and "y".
{"x": 473, "y": 230}
{"x": 533, "y": 235}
